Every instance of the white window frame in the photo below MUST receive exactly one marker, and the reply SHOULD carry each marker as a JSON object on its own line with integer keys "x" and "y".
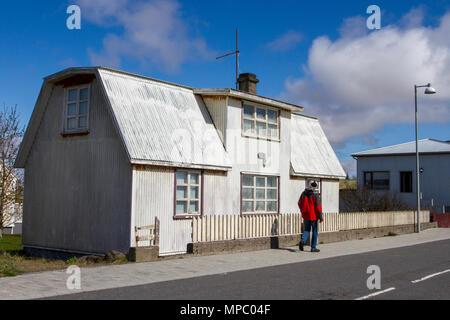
{"x": 266, "y": 199}
{"x": 256, "y": 120}
{"x": 188, "y": 200}
{"x": 78, "y": 115}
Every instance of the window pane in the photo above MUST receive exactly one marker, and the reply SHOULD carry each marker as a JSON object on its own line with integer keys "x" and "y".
{"x": 272, "y": 206}
{"x": 260, "y": 194}
{"x": 261, "y": 129}
{"x": 271, "y": 194}
{"x": 194, "y": 193}
{"x": 272, "y": 182}
{"x": 181, "y": 207}
{"x": 260, "y": 206}
{"x": 84, "y": 94}
{"x": 261, "y": 114}
{"x": 181, "y": 192}
{"x": 72, "y": 123}
{"x": 248, "y": 111}
{"x": 181, "y": 177}
{"x": 72, "y": 109}
{"x": 82, "y": 122}
{"x": 83, "y": 108}
{"x": 247, "y": 206}
{"x": 247, "y": 193}
{"x": 406, "y": 182}
{"x": 273, "y": 131}
{"x": 194, "y": 178}
{"x": 73, "y": 95}
{"x": 260, "y": 181}
{"x": 368, "y": 179}
{"x": 272, "y": 116}
{"x": 381, "y": 180}
{"x": 193, "y": 207}
{"x": 247, "y": 181}
{"x": 249, "y": 127}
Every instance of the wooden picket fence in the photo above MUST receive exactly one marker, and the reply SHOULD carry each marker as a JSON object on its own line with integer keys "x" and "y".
{"x": 232, "y": 227}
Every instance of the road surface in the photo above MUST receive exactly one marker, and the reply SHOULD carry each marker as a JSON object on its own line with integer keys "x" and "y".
{"x": 413, "y": 272}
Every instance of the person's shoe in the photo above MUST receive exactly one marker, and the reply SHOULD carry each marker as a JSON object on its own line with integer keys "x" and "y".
{"x": 315, "y": 250}
{"x": 300, "y": 245}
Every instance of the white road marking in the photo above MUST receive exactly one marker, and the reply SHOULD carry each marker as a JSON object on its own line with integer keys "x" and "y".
{"x": 430, "y": 276}
{"x": 375, "y": 294}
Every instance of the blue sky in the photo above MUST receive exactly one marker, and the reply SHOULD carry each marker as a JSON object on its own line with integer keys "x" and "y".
{"x": 315, "y": 53}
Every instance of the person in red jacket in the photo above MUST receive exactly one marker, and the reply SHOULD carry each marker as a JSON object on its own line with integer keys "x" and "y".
{"x": 311, "y": 207}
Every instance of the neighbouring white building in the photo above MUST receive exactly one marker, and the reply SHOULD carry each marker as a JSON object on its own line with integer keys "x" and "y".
{"x": 393, "y": 169}
{"x": 107, "y": 150}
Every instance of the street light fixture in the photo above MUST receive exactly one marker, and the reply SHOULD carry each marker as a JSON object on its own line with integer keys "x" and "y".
{"x": 429, "y": 90}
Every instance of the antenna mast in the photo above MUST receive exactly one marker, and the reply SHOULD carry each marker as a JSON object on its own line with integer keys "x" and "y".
{"x": 237, "y": 57}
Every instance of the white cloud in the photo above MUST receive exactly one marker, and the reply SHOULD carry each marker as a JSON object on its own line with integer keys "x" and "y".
{"x": 363, "y": 81}
{"x": 285, "y": 42}
{"x": 154, "y": 32}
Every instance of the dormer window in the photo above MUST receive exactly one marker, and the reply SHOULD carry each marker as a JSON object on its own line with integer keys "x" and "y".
{"x": 76, "y": 109}
{"x": 260, "y": 122}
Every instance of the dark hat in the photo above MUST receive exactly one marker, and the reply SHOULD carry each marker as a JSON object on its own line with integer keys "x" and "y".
{"x": 314, "y": 184}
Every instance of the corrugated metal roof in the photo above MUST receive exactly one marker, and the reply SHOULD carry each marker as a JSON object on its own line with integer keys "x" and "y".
{"x": 162, "y": 123}
{"x": 425, "y": 146}
{"x": 311, "y": 153}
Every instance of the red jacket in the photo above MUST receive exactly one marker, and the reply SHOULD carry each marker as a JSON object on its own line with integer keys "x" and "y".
{"x": 310, "y": 205}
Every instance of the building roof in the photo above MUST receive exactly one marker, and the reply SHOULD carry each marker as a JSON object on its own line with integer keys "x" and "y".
{"x": 426, "y": 146}
{"x": 159, "y": 123}
{"x": 162, "y": 123}
{"x": 311, "y": 153}
{"x": 249, "y": 97}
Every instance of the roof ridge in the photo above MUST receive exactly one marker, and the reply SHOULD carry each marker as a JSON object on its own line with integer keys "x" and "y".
{"x": 396, "y": 146}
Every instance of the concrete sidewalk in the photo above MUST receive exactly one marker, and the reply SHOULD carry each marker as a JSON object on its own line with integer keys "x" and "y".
{"x": 53, "y": 283}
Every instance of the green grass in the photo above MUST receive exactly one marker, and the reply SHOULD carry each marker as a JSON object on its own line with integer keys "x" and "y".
{"x": 348, "y": 185}
{"x": 10, "y": 243}
{"x": 14, "y": 261}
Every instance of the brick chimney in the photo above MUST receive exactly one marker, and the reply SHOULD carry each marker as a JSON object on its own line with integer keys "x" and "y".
{"x": 247, "y": 82}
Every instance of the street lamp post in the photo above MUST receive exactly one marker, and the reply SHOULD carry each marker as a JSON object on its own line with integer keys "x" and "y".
{"x": 428, "y": 90}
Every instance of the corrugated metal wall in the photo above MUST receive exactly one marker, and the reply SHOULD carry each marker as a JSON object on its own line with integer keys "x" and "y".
{"x": 153, "y": 196}
{"x": 330, "y": 195}
{"x": 218, "y": 110}
{"x": 217, "y": 194}
{"x": 77, "y": 189}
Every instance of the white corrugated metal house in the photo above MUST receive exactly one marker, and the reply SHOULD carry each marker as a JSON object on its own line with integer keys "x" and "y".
{"x": 393, "y": 169}
{"x": 106, "y": 151}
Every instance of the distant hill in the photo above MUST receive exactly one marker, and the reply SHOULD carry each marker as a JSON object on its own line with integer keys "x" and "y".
{"x": 347, "y": 185}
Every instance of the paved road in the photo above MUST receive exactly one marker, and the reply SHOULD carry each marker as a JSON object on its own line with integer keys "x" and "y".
{"x": 342, "y": 277}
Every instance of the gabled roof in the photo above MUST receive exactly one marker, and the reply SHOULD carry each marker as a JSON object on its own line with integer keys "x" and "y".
{"x": 159, "y": 123}
{"x": 426, "y": 146}
{"x": 163, "y": 123}
{"x": 311, "y": 153}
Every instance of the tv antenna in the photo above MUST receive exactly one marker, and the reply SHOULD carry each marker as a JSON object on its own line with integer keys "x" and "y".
{"x": 237, "y": 57}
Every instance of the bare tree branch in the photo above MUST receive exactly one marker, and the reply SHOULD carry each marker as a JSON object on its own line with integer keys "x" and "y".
{"x": 11, "y": 133}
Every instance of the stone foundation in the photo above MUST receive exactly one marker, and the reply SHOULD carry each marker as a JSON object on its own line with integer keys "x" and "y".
{"x": 245, "y": 245}
{"x": 143, "y": 254}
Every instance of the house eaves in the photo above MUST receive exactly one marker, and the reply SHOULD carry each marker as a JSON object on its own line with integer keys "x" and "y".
{"x": 426, "y": 147}
{"x": 249, "y": 97}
